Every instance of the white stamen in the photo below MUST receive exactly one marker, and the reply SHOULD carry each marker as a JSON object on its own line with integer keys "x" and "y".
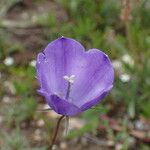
{"x": 117, "y": 64}
{"x": 32, "y": 63}
{"x": 70, "y": 79}
{"x": 128, "y": 59}
{"x": 125, "y": 78}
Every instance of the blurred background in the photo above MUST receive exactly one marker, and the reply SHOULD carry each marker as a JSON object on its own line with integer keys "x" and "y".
{"x": 120, "y": 28}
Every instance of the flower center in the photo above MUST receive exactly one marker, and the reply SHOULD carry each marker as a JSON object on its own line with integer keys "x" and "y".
{"x": 70, "y": 80}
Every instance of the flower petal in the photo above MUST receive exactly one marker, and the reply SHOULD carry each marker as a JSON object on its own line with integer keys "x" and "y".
{"x": 94, "y": 77}
{"x": 60, "y": 55}
{"x": 43, "y": 72}
{"x": 61, "y": 106}
{"x": 96, "y": 100}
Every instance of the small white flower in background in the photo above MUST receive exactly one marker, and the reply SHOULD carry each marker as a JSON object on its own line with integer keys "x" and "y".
{"x": 117, "y": 64}
{"x": 45, "y": 106}
{"x": 9, "y": 87}
{"x": 75, "y": 123}
{"x": 6, "y": 99}
{"x": 118, "y": 146}
{"x": 128, "y": 59}
{"x": 9, "y": 61}
{"x": 40, "y": 123}
{"x": 63, "y": 145}
{"x": 37, "y": 135}
{"x": 32, "y": 63}
{"x": 139, "y": 125}
{"x": 124, "y": 77}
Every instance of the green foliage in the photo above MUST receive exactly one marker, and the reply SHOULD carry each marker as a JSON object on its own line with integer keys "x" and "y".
{"x": 83, "y": 27}
{"x": 145, "y": 109}
{"x": 123, "y": 136}
{"x": 48, "y": 20}
{"x": 142, "y": 14}
{"x": 144, "y": 147}
{"x": 109, "y": 12}
{"x": 14, "y": 141}
{"x": 19, "y": 112}
{"x": 26, "y": 74}
{"x": 91, "y": 118}
{"x": 7, "y": 45}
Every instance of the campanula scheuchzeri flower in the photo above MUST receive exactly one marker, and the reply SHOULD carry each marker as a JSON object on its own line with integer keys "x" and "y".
{"x": 71, "y": 79}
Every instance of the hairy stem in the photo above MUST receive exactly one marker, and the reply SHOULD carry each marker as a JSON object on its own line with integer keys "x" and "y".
{"x": 55, "y": 133}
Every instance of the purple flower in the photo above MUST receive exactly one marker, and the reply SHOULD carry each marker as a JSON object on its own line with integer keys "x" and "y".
{"x": 73, "y": 80}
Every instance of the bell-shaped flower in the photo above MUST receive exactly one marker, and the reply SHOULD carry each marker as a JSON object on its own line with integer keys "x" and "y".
{"x": 73, "y": 80}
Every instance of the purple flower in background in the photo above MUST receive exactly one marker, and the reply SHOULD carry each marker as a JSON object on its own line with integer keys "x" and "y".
{"x": 73, "y": 80}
